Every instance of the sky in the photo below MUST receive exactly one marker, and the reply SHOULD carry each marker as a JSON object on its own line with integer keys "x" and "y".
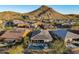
{"x": 64, "y": 9}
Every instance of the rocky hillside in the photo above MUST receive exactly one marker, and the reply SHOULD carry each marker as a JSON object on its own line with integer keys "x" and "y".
{"x": 8, "y": 15}
{"x": 73, "y": 16}
{"x": 44, "y": 12}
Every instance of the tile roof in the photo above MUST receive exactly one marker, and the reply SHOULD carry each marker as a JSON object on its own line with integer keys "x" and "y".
{"x": 60, "y": 33}
{"x": 41, "y": 35}
{"x": 71, "y": 35}
{"x": 67, "y": 33}
{"x": 34, "y": 33}
{"x": 12, "y": 34}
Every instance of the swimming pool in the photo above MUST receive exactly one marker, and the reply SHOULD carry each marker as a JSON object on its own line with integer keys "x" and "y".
{"x": 37, "y": 46}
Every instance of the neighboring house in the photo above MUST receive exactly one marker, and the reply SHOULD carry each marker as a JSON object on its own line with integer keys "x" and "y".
{"x": 63, "y": 26}
{"x": 59, "y": 25}
{"x": 40, "y": 36}
{"x": 9, "y": 23}
{"x": 20, "y": 23}
{"x": 13, "y": 36}
{"x": 37, "y": 24}
{"x": 70, "y": 37}
{"x": 46, "y": 26}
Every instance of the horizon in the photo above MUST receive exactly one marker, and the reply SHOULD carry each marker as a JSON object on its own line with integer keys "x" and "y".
{"x": 63, "y": 9}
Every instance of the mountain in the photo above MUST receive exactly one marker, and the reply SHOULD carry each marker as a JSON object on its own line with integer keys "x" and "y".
{"x": 43, "y": 12}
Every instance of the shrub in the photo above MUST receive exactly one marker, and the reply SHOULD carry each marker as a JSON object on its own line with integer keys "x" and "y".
{"x": 58, "y": 47}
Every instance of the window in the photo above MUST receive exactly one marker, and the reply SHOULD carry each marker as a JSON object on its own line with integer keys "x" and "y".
{"x": 40, "y": 41}
{"x": 76, "y": 39}
{"x": 76, "y": 44}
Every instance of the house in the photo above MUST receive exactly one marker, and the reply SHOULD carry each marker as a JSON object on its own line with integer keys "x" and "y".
{"x": 20, "y": 23}
{"x": 11, "y": 36}
{"x": 70, "y": 37}
{"x": 14, "y": 36}
{"x": 46, "y": 26}
{"x": 9, "y": 23}
{"x": 40, "y": 36}
{"x": 58, "y": 25}
{"x": 36, "y": 24}
{"x": 63, "y": 26}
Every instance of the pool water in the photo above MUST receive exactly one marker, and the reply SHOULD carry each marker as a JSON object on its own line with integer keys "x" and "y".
{"x": 37, "y": 46}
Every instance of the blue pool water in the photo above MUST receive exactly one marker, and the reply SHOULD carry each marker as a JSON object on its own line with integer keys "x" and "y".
{"x": 37, "y": 46}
